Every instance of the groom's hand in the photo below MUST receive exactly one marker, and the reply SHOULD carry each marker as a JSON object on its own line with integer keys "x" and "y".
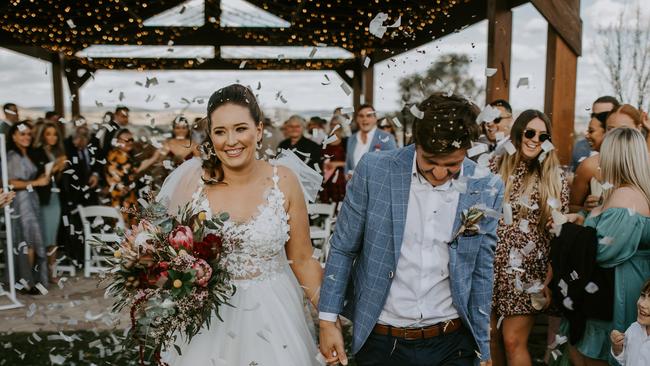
{"x": 331, "y": 342}
{"x": 486, "y": 363}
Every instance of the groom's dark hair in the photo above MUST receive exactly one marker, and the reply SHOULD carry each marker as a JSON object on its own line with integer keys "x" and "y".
{"x": 448, "y": 124}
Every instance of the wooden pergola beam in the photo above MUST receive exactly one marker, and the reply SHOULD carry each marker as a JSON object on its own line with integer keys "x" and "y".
{"x": 58, "y": 64}
{"x": 499, "y": 49}
{"x": 564, "y": 17}
{"x": 213, "y": 64}
{"x": 560, "y": 92}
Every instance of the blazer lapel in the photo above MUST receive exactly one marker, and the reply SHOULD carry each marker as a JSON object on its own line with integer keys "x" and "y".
{"x": 400, "y": 180}
{"x": 465, "y": 200}
{"x": 374, "y": 142}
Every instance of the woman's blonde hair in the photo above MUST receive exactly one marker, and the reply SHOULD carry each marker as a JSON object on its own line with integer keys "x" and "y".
{"x": 548, "y": 171}
{"x": 624, "y": 161}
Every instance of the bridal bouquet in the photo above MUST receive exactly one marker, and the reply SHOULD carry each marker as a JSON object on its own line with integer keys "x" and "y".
{"x": 166, "y": 270}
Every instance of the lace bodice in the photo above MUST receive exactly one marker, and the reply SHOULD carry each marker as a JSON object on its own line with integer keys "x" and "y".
{"x": 255, "y": 249}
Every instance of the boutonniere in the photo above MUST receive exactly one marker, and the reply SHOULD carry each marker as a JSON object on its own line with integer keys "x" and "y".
{"x": 469, "y": 222}
{"x": 377, "y": 147}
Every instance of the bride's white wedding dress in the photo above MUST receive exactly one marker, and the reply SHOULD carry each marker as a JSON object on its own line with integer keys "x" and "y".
{"x": 266, "y": 325}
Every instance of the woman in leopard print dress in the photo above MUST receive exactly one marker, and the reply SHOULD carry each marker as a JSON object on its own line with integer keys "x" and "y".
{"x": 535, "y": 186}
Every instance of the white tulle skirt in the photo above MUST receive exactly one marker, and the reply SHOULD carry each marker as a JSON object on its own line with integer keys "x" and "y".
{"x": 266, "y": 327}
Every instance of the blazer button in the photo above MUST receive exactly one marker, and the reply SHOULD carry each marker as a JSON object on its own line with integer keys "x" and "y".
{"x": 391, "y": 274}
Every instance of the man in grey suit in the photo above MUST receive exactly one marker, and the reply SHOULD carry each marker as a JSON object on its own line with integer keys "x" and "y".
{"x": 411, "y": 257}
{"x": 367, "y": 139}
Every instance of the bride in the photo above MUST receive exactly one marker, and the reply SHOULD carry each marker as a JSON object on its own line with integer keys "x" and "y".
{"x": 266, "y": 240}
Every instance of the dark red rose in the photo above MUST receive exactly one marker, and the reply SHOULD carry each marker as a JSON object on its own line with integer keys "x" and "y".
{"x": 209, "y": 248}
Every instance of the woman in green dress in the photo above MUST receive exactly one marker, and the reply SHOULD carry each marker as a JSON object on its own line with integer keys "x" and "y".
{"x": 622, "y": 224}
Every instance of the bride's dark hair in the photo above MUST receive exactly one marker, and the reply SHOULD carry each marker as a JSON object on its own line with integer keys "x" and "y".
{"x": 235, "y": 94}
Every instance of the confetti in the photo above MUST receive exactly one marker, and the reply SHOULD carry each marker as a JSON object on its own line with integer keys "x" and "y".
{"x": 313, "y": 52}
{"x": 397, "y": 122}
{"x": 71, "y": 24}
{"x": 366, "y": 62}
{"x": 479, "y": 148}
{"x": 242, "y": 64}
{"x": 490, "y": 71}
{"x": 346, "y": 88}
{"x": 574, "y": 275}
{"x": 568, "y": 303}
{"x": 607, "y": 186}
{"x": 591, "y": 288}
{"x": 607, "y": 240}
{"x": 328, "y": 82}
{"x": 510, "y": 148}
{"x": 564, "y": 288}
{"x": 488, "y": 114}
{"x": 523, "y": 81}
{"x": 376, "y": 27}
{"x": 416, "y": 112}
{"x": 507, "y": 214}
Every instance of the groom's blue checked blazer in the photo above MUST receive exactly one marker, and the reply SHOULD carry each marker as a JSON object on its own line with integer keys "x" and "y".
{"x": 366, "y": 245}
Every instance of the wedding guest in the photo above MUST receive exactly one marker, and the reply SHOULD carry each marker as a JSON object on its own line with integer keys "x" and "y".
{"x": 23, "y": 175}
{"x": 589, "y": 169}
{"x": 582, "y": 148}
{"x": 334, "y": 164}
{"x": 316, "y": 130}
{"x": 272, "y": 138}
{"x": 532, "y": 179}
{"x": 79, "y": 186}
{"x": 120, "y": 175}
{"x": 622, "y": 224}
{"x": 11, "y": 117}
{"x": 176, "y": 149}
{"x": 499, "y": 128}
{"x": 632, "y": 348}
{"x": 411, "y": 256}
{"x": 49, "y": 149}
{"x": 106, "y": 135}
{"x": 368, "y": 138}
{"x": 305, "y": 148}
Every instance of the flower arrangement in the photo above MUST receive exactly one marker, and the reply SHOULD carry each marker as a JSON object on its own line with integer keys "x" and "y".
{"x": 167, "y": 271}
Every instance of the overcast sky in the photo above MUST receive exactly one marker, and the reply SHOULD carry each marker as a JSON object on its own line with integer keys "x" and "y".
{"x": 27, "y": 81}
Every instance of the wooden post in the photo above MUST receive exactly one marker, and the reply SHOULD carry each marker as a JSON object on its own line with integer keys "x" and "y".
{"x": 368, "y": 85}
{"x": 560, "y": 94}
{"x": 57, "y": 82}
{"x": 357, "y": 86}
{"x": 499, "y": 49}
{"x": 73, "y": 85}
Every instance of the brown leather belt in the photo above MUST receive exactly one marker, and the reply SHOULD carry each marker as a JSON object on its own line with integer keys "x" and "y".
{"x": 411, "y": 334}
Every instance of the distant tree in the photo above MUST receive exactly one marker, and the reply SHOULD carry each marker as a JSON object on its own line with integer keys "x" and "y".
{"x": 624, "y": 53}
{"x": 450, "y": 73}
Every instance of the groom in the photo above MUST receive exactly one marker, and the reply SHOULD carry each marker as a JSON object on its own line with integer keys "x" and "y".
{"x": 406, "y": 266}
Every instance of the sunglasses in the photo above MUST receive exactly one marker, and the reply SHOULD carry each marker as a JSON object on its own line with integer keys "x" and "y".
{"x": 127, "y": 141}
{"x": 543, "y": 136}
{"x": 498, "y": 119}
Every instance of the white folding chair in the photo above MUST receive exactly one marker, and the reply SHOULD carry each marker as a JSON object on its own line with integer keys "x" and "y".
{"x": 320, "y": 234}
{"x": 94, "y": 258}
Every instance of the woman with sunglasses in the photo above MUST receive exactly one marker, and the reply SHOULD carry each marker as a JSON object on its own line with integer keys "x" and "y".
{"x": 532, "y": 178}
{"x": 120, "y": 174}
{"x": 588, "y": 171}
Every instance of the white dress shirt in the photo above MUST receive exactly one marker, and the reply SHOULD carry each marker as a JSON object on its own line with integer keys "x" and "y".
{"x": 636, "y": 351}
{"x": 420, "y": 294}
{"x": 362, "y": 148}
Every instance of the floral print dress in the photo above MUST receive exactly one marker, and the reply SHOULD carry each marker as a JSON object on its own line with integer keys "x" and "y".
{"x": 523, "y": 249}
{"x": 119, "y": 174}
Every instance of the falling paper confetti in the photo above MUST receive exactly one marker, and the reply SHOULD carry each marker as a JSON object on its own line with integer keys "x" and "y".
{"x": 479, "y": 148}
{"x": 510, "y": 148}
{"x": 346, "y": 88}
{"x": 366, "y": 62}
{"x": 547, "y": 146}
{"x": 376, "y": 27}
{"x": 522, "y": 82}
{"x": 488, "y": 114}
{"x": 416, "y": 112}
{"x": 591, "y": 288}
{"x": 490, "y": 71}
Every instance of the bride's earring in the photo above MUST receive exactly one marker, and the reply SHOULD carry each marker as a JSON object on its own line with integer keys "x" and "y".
{"x": 259, "y": 145}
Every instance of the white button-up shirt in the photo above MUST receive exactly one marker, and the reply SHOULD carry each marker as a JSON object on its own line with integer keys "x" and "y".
{"x": 362, "y": 148}
{"x": 636, "y": 351}
{"x": 420, "y": 294}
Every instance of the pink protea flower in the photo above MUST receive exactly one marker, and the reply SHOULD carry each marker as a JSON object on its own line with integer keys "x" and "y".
{"x": 203, "y": 272}
{"x": 181, "y": 237}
